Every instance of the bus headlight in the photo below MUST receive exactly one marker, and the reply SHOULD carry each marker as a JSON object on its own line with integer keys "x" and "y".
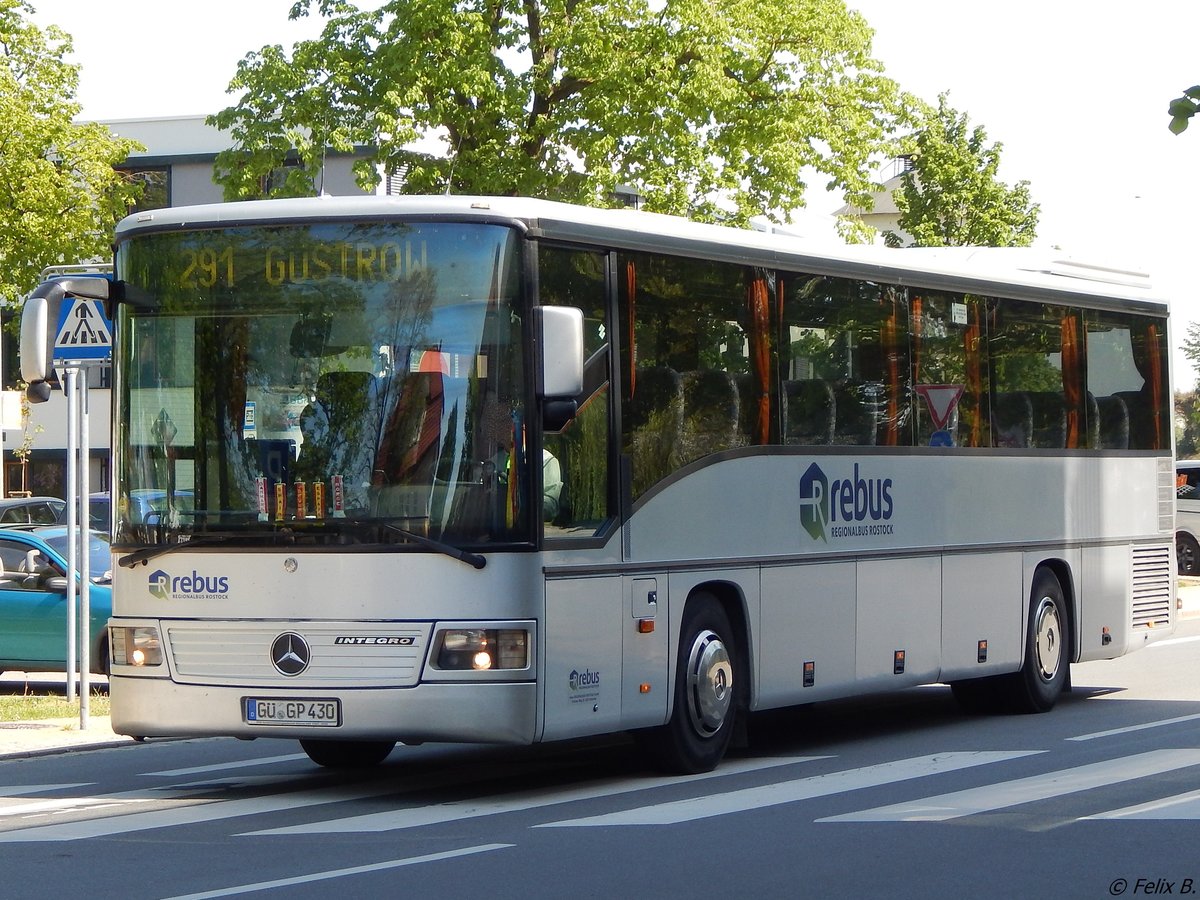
{"x": 481, "y": 649}
{"x": 138, "y": 646}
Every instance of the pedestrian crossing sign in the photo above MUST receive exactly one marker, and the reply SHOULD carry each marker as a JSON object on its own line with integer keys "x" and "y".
{"x": 83, "y": 332}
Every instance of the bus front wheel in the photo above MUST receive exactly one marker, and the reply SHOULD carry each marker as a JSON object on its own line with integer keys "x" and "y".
{"x": 707, "y": 674}
{"x": 347, "y": 754}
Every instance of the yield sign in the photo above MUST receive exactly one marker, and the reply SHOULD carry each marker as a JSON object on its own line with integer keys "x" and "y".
{"x": 942, "y": 399}
{"x": 83, "y": 332}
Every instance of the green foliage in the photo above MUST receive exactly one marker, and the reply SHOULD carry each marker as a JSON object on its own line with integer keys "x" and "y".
{"x": 1191, "y": 345}
{"x": 59, "y": 194}
{"x": 951, "y": 195}
{"x": 709, "y": 108}
{"x": 1183, "y": 108}
{"x": 1187, "y": 424}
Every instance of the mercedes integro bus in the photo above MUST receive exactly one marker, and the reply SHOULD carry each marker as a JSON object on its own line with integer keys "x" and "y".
{"x": 505, "y": 470}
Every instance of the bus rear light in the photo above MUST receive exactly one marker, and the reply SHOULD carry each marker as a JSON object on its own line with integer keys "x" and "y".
{"x": 138, "y": 646}
{"x": 481, "y": 649}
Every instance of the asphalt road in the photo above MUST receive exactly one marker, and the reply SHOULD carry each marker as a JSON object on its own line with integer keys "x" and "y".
{"x": 899, "y": 796}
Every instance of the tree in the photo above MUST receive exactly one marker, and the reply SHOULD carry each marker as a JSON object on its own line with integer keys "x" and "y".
{"x": 1183, "y": 108}
{"x": 59, "y": 193}
{"x": 951, "y": 197}
{"x": 712, "y": 109}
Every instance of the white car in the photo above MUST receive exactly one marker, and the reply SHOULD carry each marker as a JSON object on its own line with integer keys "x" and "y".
{"x": 1187, "y": 516}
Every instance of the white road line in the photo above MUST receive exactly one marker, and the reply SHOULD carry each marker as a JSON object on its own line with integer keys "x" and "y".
{"x": 20, "y": 790}
{"x": 60, "y": 805}
{"x": 1181, "y": 806}
{"x": 1026, "y": 790}
{"x": 792, "y": 791}
{"x": 1129, "y": 728}
{"x": 1170, "y": 641}
{"x": 416, "y": 817}
{"x": 342, "y": 873}
{"x": 221, "y": 767}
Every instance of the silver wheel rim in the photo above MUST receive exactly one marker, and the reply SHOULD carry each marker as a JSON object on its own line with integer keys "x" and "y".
{"x": 709, "y": 683}
{"x": 1048, "y": 637}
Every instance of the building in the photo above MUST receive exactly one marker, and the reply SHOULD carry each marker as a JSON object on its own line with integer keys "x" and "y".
{"x": 176, "y": 169}
{"x": 883, "y": 216}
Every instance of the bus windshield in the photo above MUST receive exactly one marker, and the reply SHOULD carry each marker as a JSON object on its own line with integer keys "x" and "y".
{"x": 336, "y": 383}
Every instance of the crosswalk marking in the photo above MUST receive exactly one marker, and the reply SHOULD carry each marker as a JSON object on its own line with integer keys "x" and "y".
{"x": 341, "y": 873}
{"x": 22, "y": 790}
{"x": 224, "y": 767}
{"x": 1025, "y": 790}
{"x": 801, "y": 789}
{"x": 34, "y": 818}
{"x": 1182, "y": 806}
{"x": 516, "y": 802}
{"x": 1130, "y": 728}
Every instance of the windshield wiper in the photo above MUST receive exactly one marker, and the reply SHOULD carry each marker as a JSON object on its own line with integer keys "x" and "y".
{"x": 146, "y": 554}
{"x": 471, "y": 559}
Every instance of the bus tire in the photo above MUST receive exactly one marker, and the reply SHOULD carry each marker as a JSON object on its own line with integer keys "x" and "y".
{"x": 1043, "y": 675}
{"x": 707, "y": 685}
{"x": 347, "y": 754}
{"x": 1187, "y": 554}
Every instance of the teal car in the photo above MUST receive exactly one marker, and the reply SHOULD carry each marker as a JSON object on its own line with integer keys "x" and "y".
{"x": 33, "y": 599}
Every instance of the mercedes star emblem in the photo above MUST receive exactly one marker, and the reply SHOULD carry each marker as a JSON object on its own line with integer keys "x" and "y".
{"x": 290, "y": 653}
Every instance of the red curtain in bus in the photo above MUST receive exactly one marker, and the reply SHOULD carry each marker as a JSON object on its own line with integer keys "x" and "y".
{"x": 1154, "y": 359}
{"x": 972, "y": 345}
{"x": 760, "y": 335}
{"x": 1072, "y": 377}
{"x": 890, "y": 339}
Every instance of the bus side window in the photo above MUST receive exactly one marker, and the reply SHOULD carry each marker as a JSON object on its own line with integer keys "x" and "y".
{"x": 578, "y": 456}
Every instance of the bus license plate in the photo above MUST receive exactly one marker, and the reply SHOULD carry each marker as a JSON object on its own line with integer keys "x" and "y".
{"x": 292, "y": 711}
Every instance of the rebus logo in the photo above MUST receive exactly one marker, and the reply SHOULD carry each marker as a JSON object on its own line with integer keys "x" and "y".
{"x": 865, "y": 502}
{"x": 160, "y": 585}
{"x": 814, "y": 502}
{"x": 193, "y": 586}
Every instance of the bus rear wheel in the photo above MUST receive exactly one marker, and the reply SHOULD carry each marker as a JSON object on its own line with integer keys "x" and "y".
{"x": 707, "y": 685}
{"x": 1043, "y": 674}
{"x": 347, "y": 754}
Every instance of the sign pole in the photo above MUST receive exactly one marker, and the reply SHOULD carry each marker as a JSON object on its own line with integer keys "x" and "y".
{"x": 70, "y": 382}
{"x": 85, "y": 554}
{"x": 83, "y": 340}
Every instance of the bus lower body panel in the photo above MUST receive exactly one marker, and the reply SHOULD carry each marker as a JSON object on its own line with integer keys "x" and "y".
{"x": 468, "y": 713}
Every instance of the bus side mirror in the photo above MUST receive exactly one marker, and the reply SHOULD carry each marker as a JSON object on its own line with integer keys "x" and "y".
{"x": 560, "y": 335}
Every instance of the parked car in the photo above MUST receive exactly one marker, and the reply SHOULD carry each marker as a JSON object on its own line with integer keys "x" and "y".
{"x": 144, "y": 505}
{"x": 1187, "y": 516}
{"x": 32, "y": 511}
{"x": 33, "y": 599}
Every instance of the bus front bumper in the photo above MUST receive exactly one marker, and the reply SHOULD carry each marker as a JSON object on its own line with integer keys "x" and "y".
{"x": 497, "y": 712}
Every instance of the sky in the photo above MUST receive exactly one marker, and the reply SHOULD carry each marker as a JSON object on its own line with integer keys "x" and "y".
{"x": 1075, "y": 91}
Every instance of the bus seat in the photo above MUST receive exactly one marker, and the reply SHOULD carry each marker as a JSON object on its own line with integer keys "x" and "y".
{"x": 856, "y": 422}
{"x": 1012, "y": 419}
{"x": 809, "y": 412}
{"x": 750, "y": 396}
{"x": 710, "y": 414}
{"x": 1093, "y": 422}
{"x": 653, "y": 420}
{"x": 1139, "y": 413}
{"x": 1049, "y": 420}
{"x": 1114, "y": 423}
